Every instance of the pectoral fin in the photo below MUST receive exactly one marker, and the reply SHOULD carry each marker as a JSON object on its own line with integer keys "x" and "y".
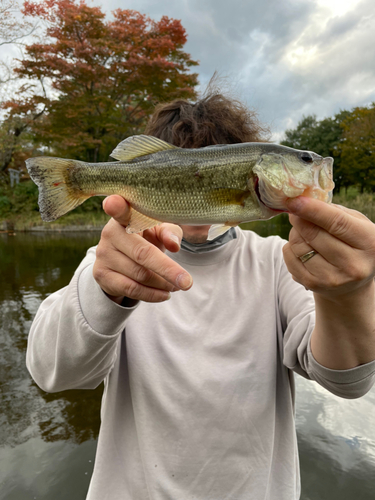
{"x": 217, "y": 230}
{"x": 228, "y": 196}
{"x": 139, "y": 222}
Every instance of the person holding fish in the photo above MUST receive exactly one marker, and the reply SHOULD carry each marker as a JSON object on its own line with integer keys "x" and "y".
{"x": 195, "y": 326}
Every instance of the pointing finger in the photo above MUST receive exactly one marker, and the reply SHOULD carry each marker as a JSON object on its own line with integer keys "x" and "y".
{"x": 165, "y": 236}
{"x": 170, "y": 235}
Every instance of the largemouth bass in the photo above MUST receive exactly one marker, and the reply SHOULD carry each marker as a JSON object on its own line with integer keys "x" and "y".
{"x": 218, "y": 185}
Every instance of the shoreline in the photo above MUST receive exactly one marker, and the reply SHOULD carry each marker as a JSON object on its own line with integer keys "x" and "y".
{"x": 11, "y": 227}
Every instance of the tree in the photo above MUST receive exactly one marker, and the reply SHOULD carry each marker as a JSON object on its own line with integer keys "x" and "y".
{"x": 16, "y": 144}
{"x": 325, "y": 138}
{"x": 358, "y": 147}
{"x": 99, "y": 80}
{"x": 14, "y": 28}
{"x": 12, "y": 31}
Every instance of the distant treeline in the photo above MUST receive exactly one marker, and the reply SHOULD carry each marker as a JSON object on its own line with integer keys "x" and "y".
{"x": 349, "y": 137}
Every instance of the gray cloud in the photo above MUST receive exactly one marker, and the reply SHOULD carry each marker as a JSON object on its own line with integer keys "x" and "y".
{"x": 287, "y": 59}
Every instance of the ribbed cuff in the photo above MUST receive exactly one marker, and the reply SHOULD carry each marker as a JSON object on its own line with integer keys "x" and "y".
{"x": 101, "y": 313}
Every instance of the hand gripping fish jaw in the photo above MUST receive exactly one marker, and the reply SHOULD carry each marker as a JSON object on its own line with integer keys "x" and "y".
{"x": 281, "y": 177}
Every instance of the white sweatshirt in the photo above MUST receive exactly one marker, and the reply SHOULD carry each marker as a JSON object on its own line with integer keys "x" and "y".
{"x": 199, "y": 394}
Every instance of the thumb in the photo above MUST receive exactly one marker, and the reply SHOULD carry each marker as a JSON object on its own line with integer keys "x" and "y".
{"x": 118, "y": 208}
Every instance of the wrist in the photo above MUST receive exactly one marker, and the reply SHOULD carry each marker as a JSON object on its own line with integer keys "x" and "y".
{"x": 347, "y": 298}
{"x": 118, "y": 300}
{"x": 115, "y": 298}
{"x": 121, "y": 300}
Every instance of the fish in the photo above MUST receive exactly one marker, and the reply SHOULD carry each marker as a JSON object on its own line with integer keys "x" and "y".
{"x": 221, "y": 185}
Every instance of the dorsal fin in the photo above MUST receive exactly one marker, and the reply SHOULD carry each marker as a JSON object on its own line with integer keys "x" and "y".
{"x": 139, "y": 145}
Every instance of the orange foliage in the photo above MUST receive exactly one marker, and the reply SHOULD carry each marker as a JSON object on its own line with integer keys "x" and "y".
{"x": 106, "y": 76}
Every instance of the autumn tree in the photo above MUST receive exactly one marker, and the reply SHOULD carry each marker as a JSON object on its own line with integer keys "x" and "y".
{"x": 14, "y": 28}
{"x": 358, "y": 147}
{"x": 94, "y": 81}
{"x": 325, "y": 138}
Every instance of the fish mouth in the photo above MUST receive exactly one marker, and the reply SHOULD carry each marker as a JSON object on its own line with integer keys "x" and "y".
{"x": 276, "y": 182}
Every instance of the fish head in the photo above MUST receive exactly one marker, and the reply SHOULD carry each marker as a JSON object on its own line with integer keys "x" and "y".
{"x": 285, "y": 175}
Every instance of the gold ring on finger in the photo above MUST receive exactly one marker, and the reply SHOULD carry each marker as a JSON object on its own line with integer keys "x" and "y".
{"x": 307, "y": 256}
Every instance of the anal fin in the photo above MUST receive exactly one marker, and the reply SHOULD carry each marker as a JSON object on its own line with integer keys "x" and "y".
{"x": 139, "y": 222}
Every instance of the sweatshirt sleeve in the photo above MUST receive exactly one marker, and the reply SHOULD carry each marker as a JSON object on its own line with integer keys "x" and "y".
{"x": 73, "y": 339}
{"x": 297, "y": 315}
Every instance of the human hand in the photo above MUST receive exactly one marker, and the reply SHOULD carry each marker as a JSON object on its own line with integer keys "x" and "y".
{"x": 134, "y": 265}
{"x": 344, "y": 240}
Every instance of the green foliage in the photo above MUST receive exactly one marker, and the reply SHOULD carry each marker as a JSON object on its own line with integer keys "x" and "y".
{"x": 353, "y": 198}
{"x": 358, "y": 147}
{"x": 324, "y": 137}
{"x": 15, "y": 143}
{"x": 93, "y": 204}
{"x": 20, "y": 205}
{"x": 349, "y": 137}
{"x": 5, "y": 204}
{"x": 23, "y": 198}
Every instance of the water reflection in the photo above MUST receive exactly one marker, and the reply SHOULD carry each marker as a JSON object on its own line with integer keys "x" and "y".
{"x": 47, "y": 441}
{"x": 337, "y": 444}
{"x": 32, "y": 267}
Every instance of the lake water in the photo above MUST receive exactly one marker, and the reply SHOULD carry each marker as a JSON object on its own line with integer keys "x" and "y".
{"x": 48, "y": 441}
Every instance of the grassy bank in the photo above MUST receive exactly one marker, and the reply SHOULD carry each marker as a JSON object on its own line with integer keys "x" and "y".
{"x": 19, "y": 209}
{"x": 362, "y": 202}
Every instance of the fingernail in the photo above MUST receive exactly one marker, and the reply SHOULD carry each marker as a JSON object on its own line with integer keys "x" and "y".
{"x": 104, "y": 202}
{"x": 184, "y": 281}
{"x": 175, "y": 238}
{"x": 166, "y": 296}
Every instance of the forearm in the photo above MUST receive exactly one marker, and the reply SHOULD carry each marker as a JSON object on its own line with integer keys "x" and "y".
{"x": 344, "y": 334}
{"x": 73, "y": 339}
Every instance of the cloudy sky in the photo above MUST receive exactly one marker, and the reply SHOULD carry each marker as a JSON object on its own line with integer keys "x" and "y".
{"x": 286, "y": 58}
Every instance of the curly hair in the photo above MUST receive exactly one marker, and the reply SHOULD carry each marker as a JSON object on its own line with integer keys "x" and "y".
{"x": 213, "y": 119}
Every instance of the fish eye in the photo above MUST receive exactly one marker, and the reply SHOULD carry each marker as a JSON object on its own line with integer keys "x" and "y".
{"x": 306, "y": 157}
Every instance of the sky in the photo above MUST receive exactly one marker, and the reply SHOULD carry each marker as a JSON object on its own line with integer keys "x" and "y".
{"x": 284, "y": 58}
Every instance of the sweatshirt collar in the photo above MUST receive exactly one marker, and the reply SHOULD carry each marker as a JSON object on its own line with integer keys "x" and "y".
{"x": 210, "y": 257}
{"x": 209, "y": 245}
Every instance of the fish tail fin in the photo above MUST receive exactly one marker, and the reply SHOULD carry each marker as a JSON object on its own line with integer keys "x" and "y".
{"x": 56, "y": 193}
